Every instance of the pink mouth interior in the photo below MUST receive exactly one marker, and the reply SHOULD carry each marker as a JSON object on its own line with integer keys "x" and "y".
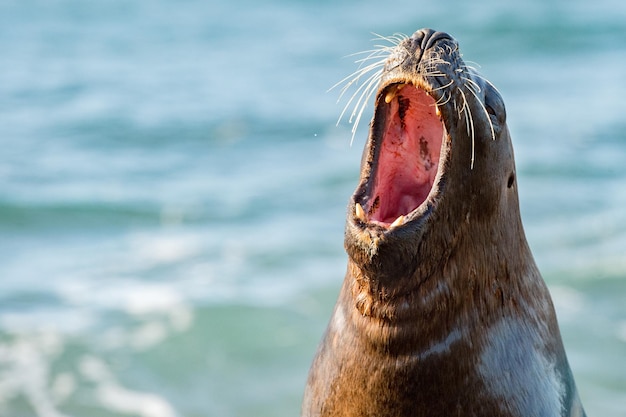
{"x": 409, "y": 155}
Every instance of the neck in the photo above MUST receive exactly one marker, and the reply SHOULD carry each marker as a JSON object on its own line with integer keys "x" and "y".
{"x": 424, "y": 295}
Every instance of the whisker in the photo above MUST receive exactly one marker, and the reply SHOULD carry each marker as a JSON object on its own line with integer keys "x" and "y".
{"x": 394, "y": 39}
{"x": 384, "y": 47}
{"x": 376, "y": 49}
{"x": 370, "y": 57}
{"x": 358, "y": 119}
{"x": 435, "y": 74}
{"x": 355, "y": 77}
{"x": 369, "y": 83}
{"x": 443, "y": 103}
{"x": 472, "y": 85}
{"x": 476, "y": 73}
{"x": 493, "y": 133}
{"x": 438, "y": 61}
{"x": 371, "y": 64}
{"x": 443, "y": 87}
{"x": 473, "y": 65}
{"x": 379, "y": 51}
{"x": 469, "y": 123}
{"x": 365, "y": 85}
{"x": 359, "y": 72}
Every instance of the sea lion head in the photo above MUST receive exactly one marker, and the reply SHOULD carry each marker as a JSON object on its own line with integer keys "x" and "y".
{"x": 438, "y": 163}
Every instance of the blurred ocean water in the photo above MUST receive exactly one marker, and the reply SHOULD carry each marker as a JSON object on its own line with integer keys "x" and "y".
{"x": 173, "y": 191}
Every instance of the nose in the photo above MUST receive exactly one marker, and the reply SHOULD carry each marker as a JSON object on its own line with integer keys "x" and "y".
{"x": 426, "y": 38}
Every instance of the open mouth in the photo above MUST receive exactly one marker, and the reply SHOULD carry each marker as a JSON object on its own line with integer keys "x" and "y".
{"x": 407, "y": 142}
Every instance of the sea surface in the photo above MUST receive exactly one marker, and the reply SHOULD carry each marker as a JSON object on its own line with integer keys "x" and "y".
{"x": 173, "y": 189}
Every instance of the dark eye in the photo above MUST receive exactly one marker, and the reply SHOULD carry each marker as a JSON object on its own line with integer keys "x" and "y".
{"x": 511, "y": 180}
{"x": 490, "y": 110}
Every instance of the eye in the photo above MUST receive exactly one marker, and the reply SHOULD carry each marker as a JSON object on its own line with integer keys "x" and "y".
{"x": 511, "y": 180}
{"x": 490, "y": 110}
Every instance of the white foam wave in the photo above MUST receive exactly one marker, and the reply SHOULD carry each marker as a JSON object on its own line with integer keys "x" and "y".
{"x": 114, "y": 397}
{"x": 25, "y": 371}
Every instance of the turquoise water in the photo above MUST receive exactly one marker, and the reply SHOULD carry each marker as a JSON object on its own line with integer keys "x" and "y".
{"x": 173, "y": 191}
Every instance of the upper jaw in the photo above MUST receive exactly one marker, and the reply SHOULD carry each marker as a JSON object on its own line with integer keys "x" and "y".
{"x": 403, "y": 168}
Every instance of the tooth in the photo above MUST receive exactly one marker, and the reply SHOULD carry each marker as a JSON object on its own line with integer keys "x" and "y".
{"x": 398, "y": 222}
{"x": 359, "y": 212}
{"x": 393, "y": 91}
{"x": 437, "y": 111}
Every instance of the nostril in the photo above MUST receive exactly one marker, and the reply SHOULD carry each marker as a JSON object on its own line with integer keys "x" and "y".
{"x": 421, "y": 37}
{"x": 425, "y": 38}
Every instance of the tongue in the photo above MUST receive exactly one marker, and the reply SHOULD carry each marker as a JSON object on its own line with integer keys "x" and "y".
{"x": 408, "y": 156}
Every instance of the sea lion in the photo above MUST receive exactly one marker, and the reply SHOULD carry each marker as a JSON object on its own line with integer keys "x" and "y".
{"x": 443, "y": 311}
